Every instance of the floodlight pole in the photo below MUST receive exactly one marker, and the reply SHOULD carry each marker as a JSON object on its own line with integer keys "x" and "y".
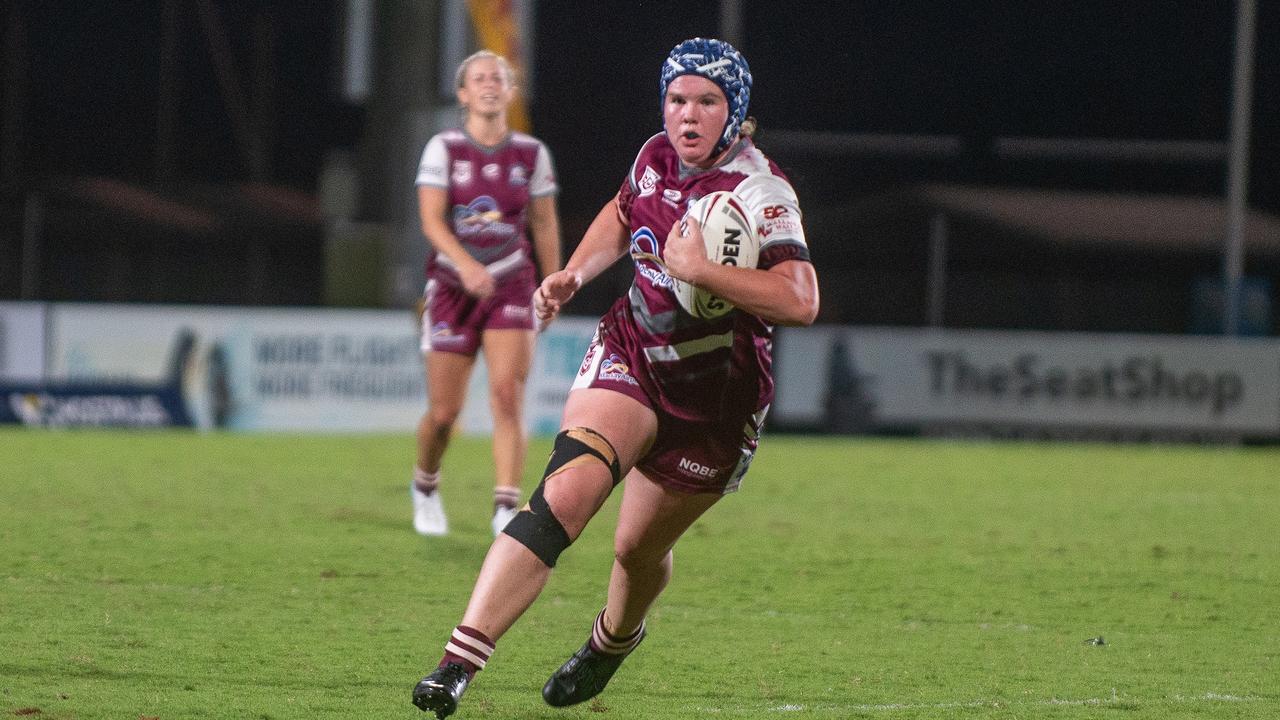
{"x": 731, "y": 22}
{"x": 15, "y": 85}
{"x": 938, "y": 234}
{"x": 167, "y": 90}
{"x": 1238, "y": 164}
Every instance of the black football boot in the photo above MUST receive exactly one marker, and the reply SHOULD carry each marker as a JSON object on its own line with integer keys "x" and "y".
{"x": 582, "y": 677}
{"x": 441, "y": 690}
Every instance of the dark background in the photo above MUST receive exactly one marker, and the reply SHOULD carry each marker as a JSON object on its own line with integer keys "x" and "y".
{"x": 1140, "y": 70}
{"x": 89, "y": 76}
{"x": 1150, "y": 70}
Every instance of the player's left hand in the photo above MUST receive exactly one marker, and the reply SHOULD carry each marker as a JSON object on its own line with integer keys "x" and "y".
{"x": 685, "y": 252}
{"x": 555, "y": 290}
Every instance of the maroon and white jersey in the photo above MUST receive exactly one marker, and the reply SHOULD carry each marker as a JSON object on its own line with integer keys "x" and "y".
{"x": 700, "y": 369}
{"x": 488, "y": 191}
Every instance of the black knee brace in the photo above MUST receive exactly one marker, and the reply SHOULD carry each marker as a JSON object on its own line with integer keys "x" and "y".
{"x": 536, "y": 527}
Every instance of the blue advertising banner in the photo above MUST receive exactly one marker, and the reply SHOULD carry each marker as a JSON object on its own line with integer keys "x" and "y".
{"x": 88, "y": 403}
{"x": 61, "y": 406}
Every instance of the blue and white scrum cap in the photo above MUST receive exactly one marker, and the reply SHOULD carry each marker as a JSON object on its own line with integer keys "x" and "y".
{"x": 721, "y": 63}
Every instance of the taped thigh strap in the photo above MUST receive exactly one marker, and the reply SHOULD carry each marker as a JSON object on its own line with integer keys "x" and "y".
{"x": 576, "y": 446}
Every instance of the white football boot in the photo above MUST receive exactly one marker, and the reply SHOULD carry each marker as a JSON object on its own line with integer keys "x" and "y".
{"x": 428, "y": 513}
{"x": 502, "y": 516}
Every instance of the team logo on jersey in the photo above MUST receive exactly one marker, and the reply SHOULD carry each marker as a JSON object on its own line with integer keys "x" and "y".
{"x": 491, "y": 172}
{"x": 518, "y": 176}
{"x": 461, "y": 172}
{"x": 591, "y": 354}
{"x": 480, "y": 216}
{"x": 588, "y": 359}
{"x": 612, "y": 368}
{"x": 648, "y": 257}
{"x": 649, "y": 181}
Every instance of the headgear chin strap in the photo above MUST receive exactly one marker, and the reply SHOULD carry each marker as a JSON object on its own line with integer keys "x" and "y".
{"x": 721, "y": 63}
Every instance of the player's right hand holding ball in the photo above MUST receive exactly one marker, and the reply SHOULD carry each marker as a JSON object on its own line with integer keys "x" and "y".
{"x": 685, "y": 250}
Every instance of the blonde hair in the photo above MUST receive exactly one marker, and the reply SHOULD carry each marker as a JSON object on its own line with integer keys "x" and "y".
{"x": 460, "y": 77}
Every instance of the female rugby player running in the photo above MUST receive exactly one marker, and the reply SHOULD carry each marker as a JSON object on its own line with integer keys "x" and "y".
{"x": 670, "y": 402}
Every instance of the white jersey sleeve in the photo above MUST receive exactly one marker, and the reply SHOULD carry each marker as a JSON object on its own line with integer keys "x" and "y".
{"x": 544, "y": 174}
{"x": 775, "y": 208}
{"x": 433, "y": 169}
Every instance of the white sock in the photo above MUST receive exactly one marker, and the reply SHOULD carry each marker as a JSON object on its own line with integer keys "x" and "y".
{"x": 424, "y": 481}
{"x": 506, "y": 496}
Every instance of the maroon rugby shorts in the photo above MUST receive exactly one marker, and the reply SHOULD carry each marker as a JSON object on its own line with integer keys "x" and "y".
{"x": 454, "y": 321}
{"x": 709, "y": 455}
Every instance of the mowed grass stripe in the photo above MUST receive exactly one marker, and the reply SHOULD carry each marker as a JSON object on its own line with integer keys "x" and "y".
{"x": 178, "y": 575}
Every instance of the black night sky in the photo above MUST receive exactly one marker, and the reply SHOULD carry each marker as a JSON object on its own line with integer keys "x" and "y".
{"x": 979, "y": 70}
{"x": 82, "y": 97}
{"x": 94, "y": 68}
{"x": 1153, "y": 70}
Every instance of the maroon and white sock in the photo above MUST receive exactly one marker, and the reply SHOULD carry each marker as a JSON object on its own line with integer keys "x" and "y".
{"x": 603, "y": 641}
{"x": 506, "y": 496}
{"x": 424, "y": 481}
{"x": 469, "y": 647}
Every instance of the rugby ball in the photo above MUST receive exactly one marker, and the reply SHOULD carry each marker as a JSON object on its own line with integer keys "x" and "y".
{"x": 731, "y": 239}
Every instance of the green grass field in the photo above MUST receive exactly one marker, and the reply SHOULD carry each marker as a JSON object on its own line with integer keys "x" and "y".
{"x": 174, "y": 575}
